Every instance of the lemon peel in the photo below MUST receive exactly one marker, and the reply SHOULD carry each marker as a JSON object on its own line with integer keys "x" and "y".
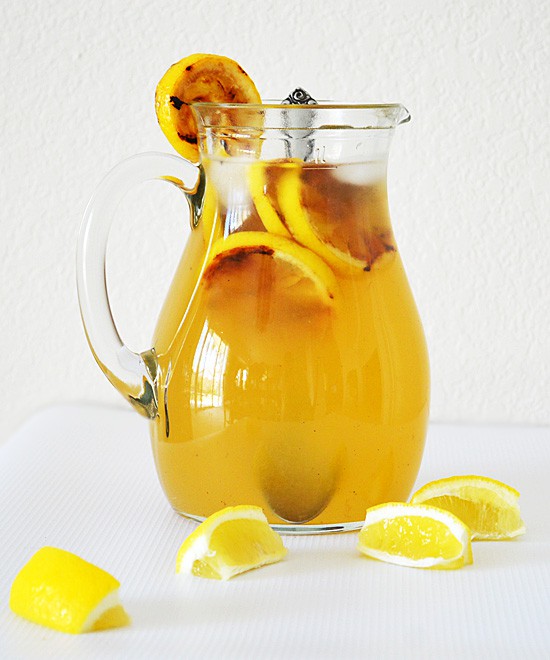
{"x": 264, "y": 194}
{"x": 200, "y": 77}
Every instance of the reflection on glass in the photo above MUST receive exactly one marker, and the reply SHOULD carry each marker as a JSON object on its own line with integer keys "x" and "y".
{"x": 208, "y": 370}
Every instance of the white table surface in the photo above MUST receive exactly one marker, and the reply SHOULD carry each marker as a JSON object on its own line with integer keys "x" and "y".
{"x": 82, "y": 478}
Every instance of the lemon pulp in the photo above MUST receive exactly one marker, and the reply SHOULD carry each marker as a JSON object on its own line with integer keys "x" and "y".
{"x": 415, "y": 535}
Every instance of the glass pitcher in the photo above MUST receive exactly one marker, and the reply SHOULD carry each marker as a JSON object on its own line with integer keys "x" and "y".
{"x": 288, "y": 368}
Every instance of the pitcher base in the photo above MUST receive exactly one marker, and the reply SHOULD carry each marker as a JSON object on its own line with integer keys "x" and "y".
{"x": 289, "y": 529}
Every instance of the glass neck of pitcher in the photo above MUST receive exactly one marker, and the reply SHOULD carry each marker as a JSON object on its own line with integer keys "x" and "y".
{"x": 327, "y": 133}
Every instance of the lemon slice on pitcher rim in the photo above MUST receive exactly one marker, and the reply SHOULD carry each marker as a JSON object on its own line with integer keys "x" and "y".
{"x": 295, "y": 264}
{"x": 415, "y": 535}
{"x": 231, "y": 541}
{"x": 489, "y": 507}
{"x": 198, "y": 78}
{"x": 60, "y": 590}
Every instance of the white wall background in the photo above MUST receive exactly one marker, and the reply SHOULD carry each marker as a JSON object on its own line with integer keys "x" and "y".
{"x": 469, "y": 180}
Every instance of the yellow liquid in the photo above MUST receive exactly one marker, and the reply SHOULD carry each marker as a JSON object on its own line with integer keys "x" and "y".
{"x": 269, "y": 396}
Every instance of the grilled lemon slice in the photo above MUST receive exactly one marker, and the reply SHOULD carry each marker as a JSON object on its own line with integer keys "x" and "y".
{"x": 311, "y": 198}
{"x": 198, "y": 78}
{"x": 263, "y": 181}
{"x": 295, "y": 273}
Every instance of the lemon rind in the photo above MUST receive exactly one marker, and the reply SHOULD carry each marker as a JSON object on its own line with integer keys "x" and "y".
{"x": 165, "y": 90}
{"x": 440, "y": 487}
{"x": 265, "y": 209}
{"x": 427, "y": 562}
{"x": 110, "y": 601}
{"x": 163, "y": 108}
{"x": 267, "y": 212}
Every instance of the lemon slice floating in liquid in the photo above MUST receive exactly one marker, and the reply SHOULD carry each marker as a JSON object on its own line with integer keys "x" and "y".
{"x": 295, "y": 272}
{"x": 198, "y": 78}
{"x": 347, "y": 225}
{"x": 489, "y": 507}
{"x": 60, "y": 590}
{"x": 231, "y": 541}
{"x": 263, "y": 180}
{"x": 415, "y": 535}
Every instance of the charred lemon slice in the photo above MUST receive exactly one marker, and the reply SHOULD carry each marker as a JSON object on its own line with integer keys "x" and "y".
{"x": 246, "y": 260}
{"x": 263, "y": 181}
{"x": 345, "y": 224}
{"x": 270, "y": 283}
{"x": 199, "y": 77}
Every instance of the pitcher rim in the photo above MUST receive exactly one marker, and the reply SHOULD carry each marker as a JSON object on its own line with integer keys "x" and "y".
{"x": 400, "y": 113}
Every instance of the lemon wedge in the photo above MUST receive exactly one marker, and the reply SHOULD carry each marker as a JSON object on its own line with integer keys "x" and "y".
{"x": 198, "y": 78}
{"x": 60, "y": 590}
{"x": 489, "y": 507}
{"x": 231, "y": 541}
{"x": 415, "y": 535}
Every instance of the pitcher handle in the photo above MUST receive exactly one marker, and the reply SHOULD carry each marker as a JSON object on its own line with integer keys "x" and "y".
{"x": 132, "y": 374}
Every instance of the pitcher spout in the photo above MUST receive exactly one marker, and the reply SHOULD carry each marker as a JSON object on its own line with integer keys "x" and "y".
{"x": 403, "y": 115}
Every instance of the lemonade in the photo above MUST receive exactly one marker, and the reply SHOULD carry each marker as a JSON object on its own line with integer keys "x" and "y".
{"x": 296, "y": 378}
